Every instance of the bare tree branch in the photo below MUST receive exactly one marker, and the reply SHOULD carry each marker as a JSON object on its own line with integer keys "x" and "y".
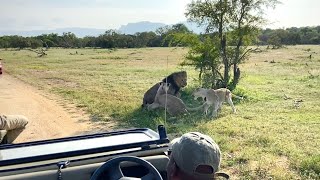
{"x": 41, "y": 52}
{"x": 248, "y": 50}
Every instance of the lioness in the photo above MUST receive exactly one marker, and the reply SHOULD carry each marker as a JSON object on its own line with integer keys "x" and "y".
{"x": 173, "y": 104}
{"x": 215, "y": 98}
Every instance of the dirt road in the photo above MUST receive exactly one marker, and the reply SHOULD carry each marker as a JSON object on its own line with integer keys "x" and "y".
{"x": 49, "y": 116}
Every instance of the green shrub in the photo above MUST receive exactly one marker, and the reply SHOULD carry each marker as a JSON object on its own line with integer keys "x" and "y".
{"x": 311, "y": 166}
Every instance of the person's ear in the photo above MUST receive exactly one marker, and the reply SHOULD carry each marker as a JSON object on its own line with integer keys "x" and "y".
{"x": 174, "y": 172}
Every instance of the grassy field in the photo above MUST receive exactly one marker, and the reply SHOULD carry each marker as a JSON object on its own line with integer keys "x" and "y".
{"x": 270, "y": 137}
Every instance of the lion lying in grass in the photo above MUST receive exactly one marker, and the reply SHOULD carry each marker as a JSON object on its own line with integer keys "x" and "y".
{"x": 173, "y": 104}
{"x": 215, "y": 98}
{"x": 177, "y": 80}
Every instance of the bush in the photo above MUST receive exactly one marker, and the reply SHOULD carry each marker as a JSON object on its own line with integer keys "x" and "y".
{"x": 311, "y": 166}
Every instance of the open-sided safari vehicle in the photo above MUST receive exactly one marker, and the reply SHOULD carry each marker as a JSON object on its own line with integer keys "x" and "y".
{"x": 138, "y": 151}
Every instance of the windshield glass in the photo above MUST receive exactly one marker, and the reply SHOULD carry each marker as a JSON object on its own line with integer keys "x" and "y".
{"x": 246, "y": 73}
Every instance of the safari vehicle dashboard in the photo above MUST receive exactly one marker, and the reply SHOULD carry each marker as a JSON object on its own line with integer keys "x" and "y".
{"x": 84, "y": 157}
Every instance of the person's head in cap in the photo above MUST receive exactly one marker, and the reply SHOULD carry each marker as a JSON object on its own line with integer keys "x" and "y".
{"x": 193, "y": 156}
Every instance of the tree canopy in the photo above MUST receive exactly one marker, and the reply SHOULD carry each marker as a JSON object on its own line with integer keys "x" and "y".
{"x": 231, "y": 25}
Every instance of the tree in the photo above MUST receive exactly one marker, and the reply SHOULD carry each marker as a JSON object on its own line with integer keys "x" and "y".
{"x": 4, "y": 42}
{"x": 233, "y": 24}
{"x": 143, "y": 38}
{"x": 52, "y": 40}
{"x": 70, "y": 40}
{"x": 35, "y": 43}
{"x": 179, "y": 28}
{"x": 171, "y": 31}
{"x": 275, "y": 41}
{"x": 89, "y": 41}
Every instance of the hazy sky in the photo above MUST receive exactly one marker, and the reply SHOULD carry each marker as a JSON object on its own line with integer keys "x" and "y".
{"x": 111, "y": 14}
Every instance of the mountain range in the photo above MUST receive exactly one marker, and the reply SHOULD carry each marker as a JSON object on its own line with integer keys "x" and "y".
{"x": 130, "y": 28}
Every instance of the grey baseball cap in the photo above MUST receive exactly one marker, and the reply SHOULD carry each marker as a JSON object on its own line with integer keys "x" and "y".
{"x": 193, "y": 151}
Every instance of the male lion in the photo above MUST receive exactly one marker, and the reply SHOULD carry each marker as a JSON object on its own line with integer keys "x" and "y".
{"x": 215, "y": 98}
{"x": 173, "y": 104}
{"x": 177, "y": 80}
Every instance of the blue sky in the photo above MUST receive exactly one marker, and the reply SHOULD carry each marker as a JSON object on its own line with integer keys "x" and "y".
{"x": 111, "y": 14}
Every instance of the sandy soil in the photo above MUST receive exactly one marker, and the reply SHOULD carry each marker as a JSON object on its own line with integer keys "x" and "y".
{"x": 49, "y": 116}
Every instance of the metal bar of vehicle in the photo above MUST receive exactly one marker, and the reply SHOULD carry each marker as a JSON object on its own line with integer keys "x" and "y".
{"x": 37, "y": 157}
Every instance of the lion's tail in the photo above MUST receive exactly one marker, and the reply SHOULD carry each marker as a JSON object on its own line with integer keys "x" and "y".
{"x": 196, "y": 108}
{"x": 238, "y": 97}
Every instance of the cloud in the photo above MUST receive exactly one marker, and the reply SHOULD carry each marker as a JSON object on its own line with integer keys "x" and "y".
{"x": 38, "y": 14}
{"x": 110, "y": 14}
{"x": 294, "y": 13}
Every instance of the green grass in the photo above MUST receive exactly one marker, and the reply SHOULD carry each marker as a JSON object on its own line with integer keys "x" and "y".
{"x": 269, "y": 137}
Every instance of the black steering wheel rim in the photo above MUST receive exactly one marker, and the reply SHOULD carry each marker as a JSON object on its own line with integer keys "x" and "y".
{"x": 112, "y": 166}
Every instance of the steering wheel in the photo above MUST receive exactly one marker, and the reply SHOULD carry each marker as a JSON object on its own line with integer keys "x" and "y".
{"x": 111, "y": 170}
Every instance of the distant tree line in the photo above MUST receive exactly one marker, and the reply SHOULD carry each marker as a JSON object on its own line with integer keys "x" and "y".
{"x": 110, "y": 39}
{"x": 160, "y": 38}
{"x": 290, "y": 36}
